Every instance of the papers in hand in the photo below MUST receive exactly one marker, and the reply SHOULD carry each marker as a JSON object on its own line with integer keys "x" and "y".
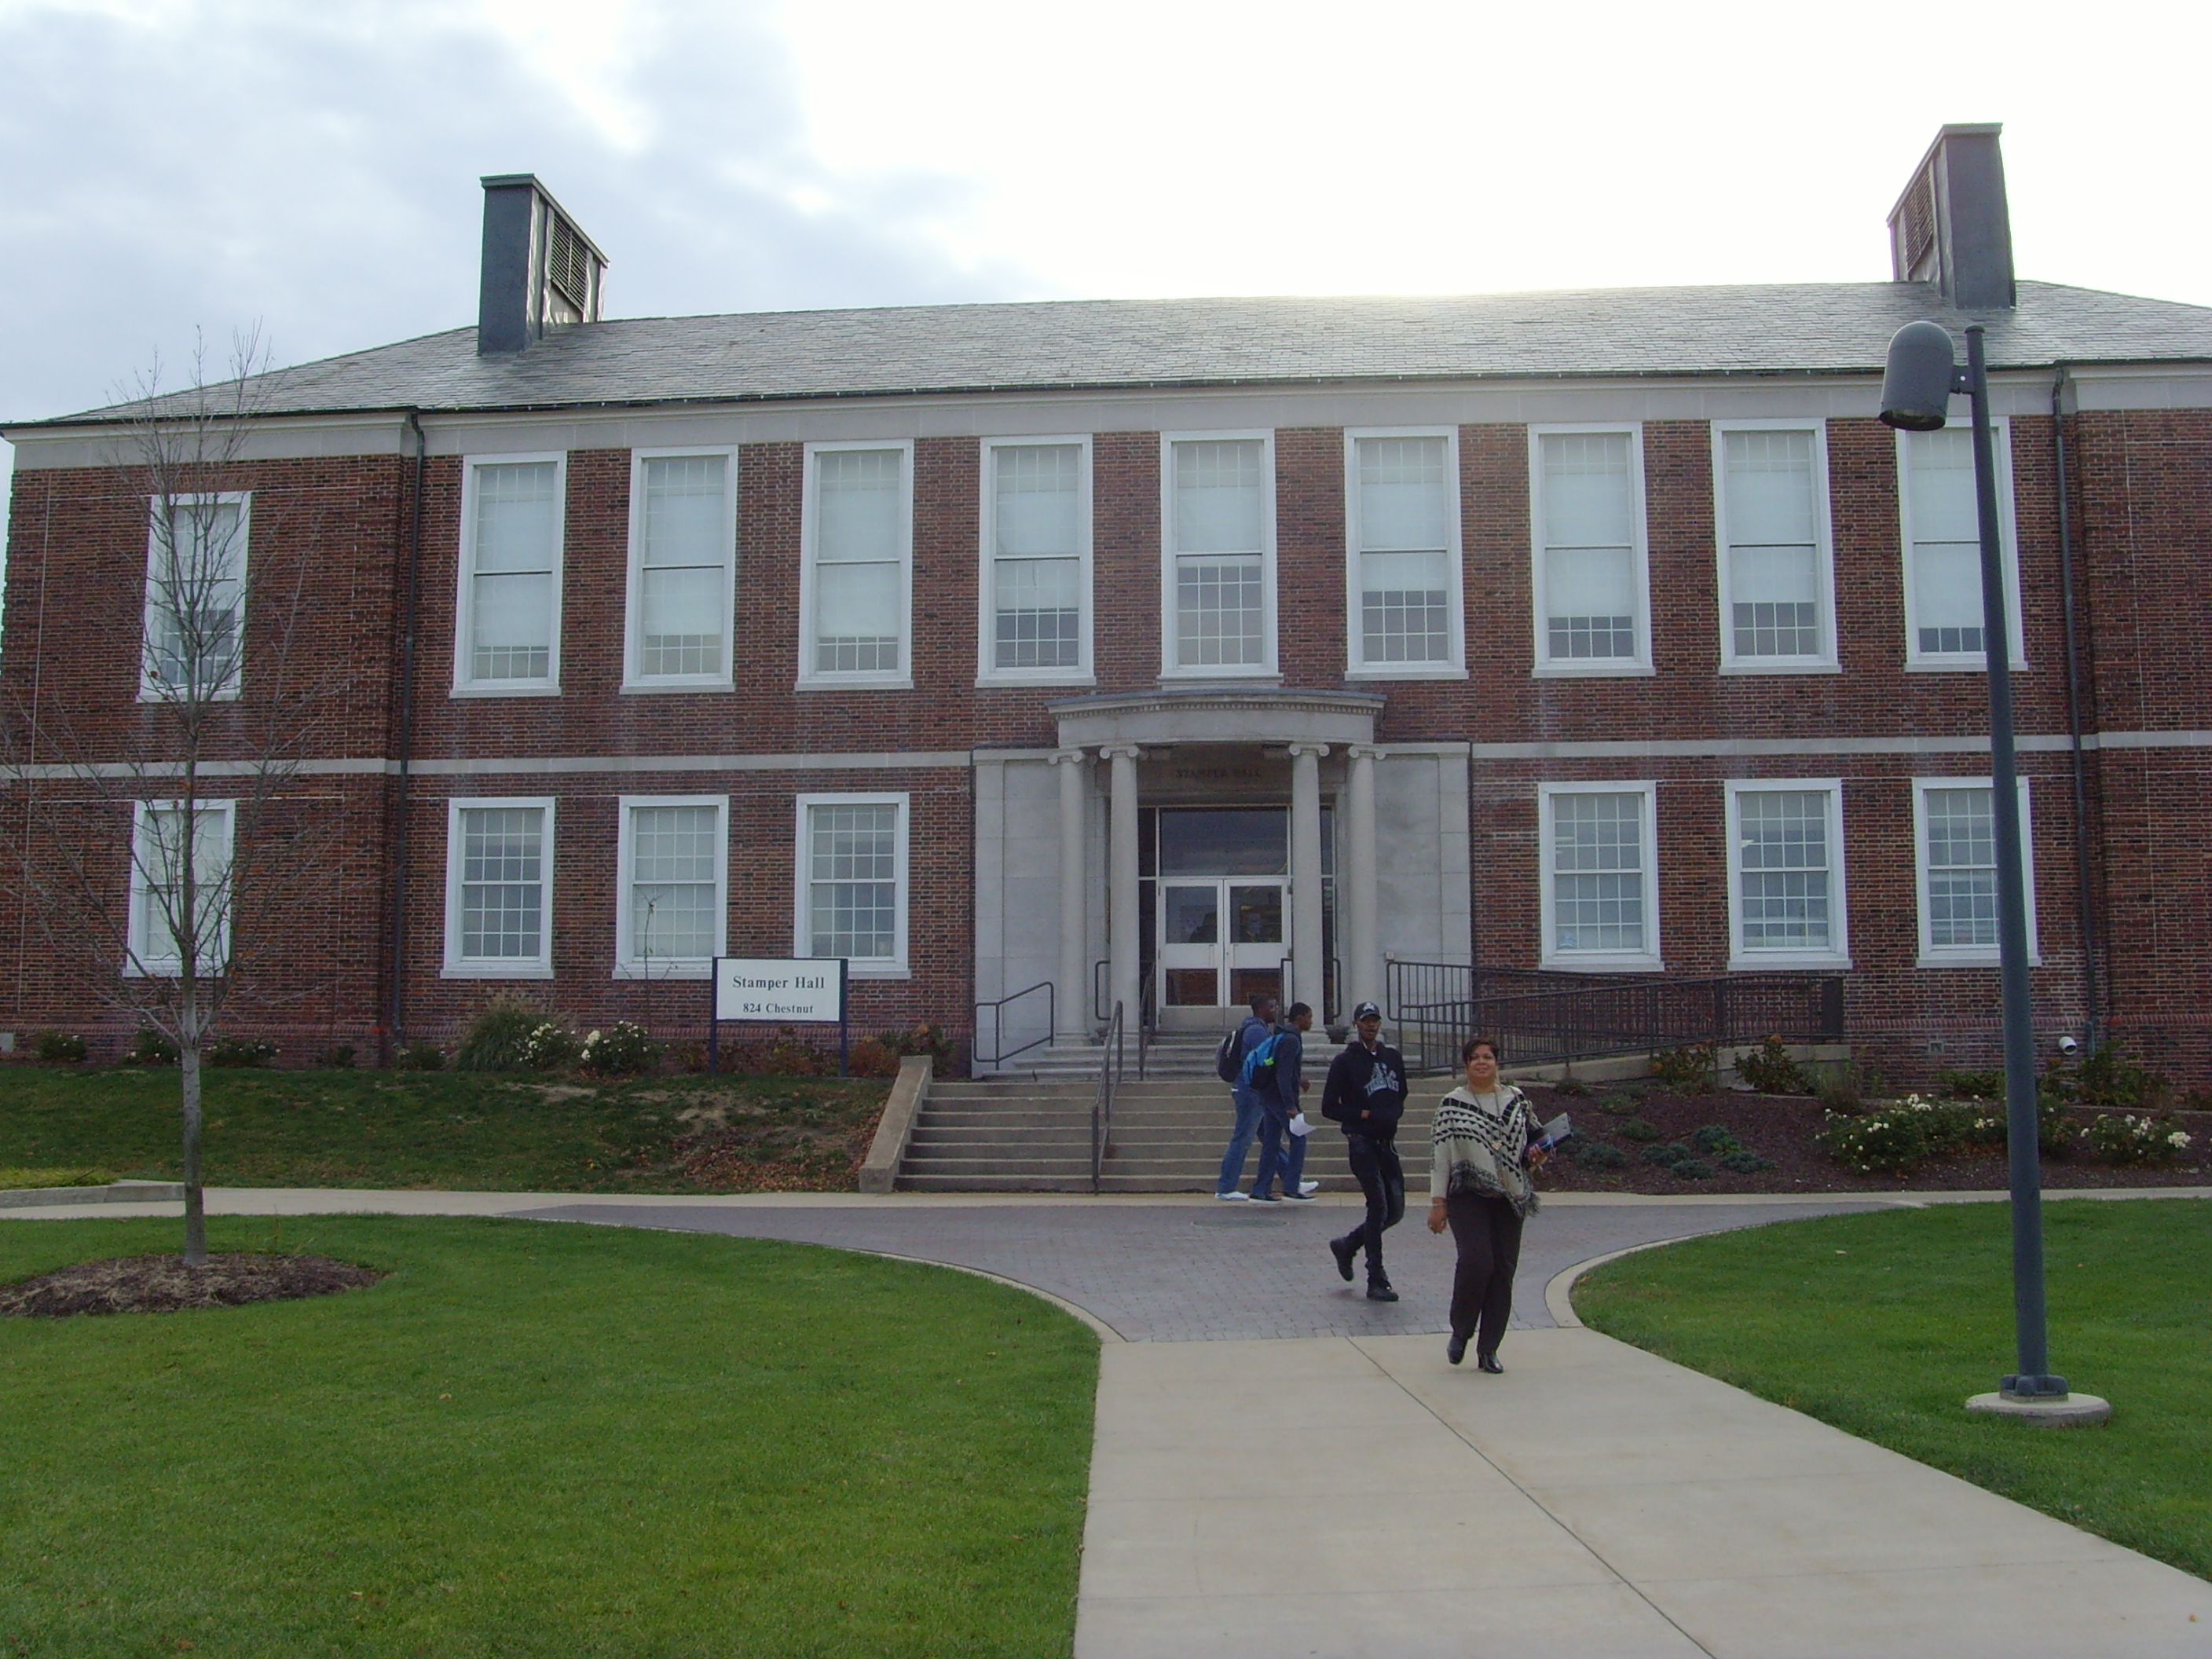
{"x": 1300, "y": 1127}
{"x": 1553, "y": 1132}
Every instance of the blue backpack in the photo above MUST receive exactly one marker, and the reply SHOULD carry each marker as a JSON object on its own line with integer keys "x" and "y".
{"x": 1261, "y": 1061}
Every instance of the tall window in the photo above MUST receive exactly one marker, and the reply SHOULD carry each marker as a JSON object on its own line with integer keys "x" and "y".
{"x": 1403, "y": 520}
{"x": 672, "y": 901}
{"x": 1786, "y": 873}
{"x": 851, "y": 880}
{"x": 682, "y": 541}
{"x": 1037, "y": 560}
{"x": 498, "y": 889}
{"x": 859, "y": 536}
{"x": 1956, "y": 828}
{"x": 1600, "y": 896}
{"x": 195, "y": 598}
{"x": 1776, "y": 587}
{"x": 1220, "y": 525}
{"x": 1588, "y": 511}
{"x": 507, "y": 638}
{"x": 1942, "y": 541}
{"x": 173, "y": 898}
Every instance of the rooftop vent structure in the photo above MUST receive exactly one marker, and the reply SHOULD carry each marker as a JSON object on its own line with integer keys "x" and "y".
{"x": 540, "y": 270}
{"x": 1951, "y": 226}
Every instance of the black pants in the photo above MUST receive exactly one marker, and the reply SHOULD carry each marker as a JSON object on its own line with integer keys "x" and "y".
{"x": 1488, "y": 1235}
{"x": 1374, "y": 1166}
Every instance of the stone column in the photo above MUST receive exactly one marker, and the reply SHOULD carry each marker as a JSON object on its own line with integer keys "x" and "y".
{"x": 1355, "y": 883}
{"x": 1308, "y": 973}
{"x": 1070, "y": 1000}
{"x": 1121, "y": 886}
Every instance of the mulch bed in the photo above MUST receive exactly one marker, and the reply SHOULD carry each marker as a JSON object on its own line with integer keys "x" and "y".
{"x": 163, "y": 1284}
{"x": 1782, "y": 1127}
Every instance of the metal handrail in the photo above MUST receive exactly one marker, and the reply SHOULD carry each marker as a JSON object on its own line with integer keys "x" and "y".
{"x": 998, "y": 1056}
{"x": 1098, "y": 971}
{"x": 1101, "y": 1102}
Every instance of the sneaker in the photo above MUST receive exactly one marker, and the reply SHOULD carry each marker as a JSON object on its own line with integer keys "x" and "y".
{"x": 1343, "y": 1249}
{"x": 1230, "y": 1198}
{"x": 1308, "y": 1189}
{"x": 1378, "y": 1292}
{"x": 1300, "y": 1197}
{"x": 1263, "y": 1198}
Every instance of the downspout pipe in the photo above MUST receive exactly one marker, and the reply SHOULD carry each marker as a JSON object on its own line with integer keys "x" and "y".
{"x": 2085, "y": 889}
{"x": 396, "y": 1021}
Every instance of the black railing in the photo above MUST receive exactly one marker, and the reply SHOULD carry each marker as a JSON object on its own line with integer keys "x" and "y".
{"x": 1002, "y": 1014}
{"x": 1573, "y": 1018}
{"x": 1101, "y": 1102}
{"x": 1425, "y": 984}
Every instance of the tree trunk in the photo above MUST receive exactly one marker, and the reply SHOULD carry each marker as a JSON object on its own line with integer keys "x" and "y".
{"x": 188, "y": 1061}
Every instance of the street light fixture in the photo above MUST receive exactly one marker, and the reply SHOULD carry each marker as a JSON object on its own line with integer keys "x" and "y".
{"x": 1917, "y": 384}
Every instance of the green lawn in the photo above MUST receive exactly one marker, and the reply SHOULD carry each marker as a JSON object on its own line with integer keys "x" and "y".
{"x": 538, "y": 1438}
{"x": 1883, "y": 1324}
{"x": 455, "y": 1130}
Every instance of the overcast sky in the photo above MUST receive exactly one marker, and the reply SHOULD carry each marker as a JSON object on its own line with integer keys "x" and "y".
{"x": 175, "y": 166}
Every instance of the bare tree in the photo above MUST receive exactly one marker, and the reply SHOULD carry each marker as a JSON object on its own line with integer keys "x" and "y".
{"x": 200, "y": 777}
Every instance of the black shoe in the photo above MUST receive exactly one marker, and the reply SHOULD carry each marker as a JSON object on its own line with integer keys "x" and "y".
{"x": 1488, "y": 1362}
{"x": 1378, "y": 1291}
{"x": 1456, "y": 1351}
{"x": 1343, "y": 1249}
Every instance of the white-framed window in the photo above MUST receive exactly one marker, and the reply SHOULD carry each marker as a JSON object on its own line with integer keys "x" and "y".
{"x": 683, "y": 569}
{"x": 1954, "y": 832}
{"x": 506, "y": 618}
{"x": 163, "y": 912}
{"x": 1777, "y": 578}
{"x": 195, "y": 627}
{"x": 852, "y": 882}
{"x": 1940, "y": 526}
{"x": 1600, "y": 846}
{"x": 671, "y": 897}
{"x": 499, "y": 887}
{"x": 856, "y": 569}
{"x": 1034, "y": 627}
{"x": 1591, "y": 556}
{"x": 1217, "y": 547}
{"x": 1402, "y": 566}
{"x": 1786, "y": 905}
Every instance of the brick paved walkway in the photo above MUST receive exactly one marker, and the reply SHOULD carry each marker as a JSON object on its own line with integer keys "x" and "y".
{"x": 1183, "y": 1274}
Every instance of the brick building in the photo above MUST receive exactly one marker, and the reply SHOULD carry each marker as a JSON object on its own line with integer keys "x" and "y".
{"x": 1161, "y": 651}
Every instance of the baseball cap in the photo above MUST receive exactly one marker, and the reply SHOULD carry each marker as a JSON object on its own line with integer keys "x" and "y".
{"x": 1365, "y": 1011}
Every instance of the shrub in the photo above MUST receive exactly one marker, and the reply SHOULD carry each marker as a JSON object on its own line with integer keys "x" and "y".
{"x": 622, "y": 1049}
{"x": 1972, "y": 1086}
{"x": 1618, "y": 1106}
{"x": 1689, "y": 1068}
{"x": 1714, "y": 1139}
{"x": 550, "y": 1046}
{"x": 1568, "y": 1086}
{"x": 58, "y": 1046}
{"x": 922, "y": 1039}
{"x": 337, "y": 1058}
{"x": 1744, "y": 1161}
{"x": 421, "y": 1057}
{"x": 1638, "y": 1128}
{"x": 784, "y": 1055}
{"x": 874, "y": 1057}
{"x": 498, "y": 1039}
{"x": 1680, "y": 1161}
{"x": 2124, "y": 1138}
{"x": 150, "y": 1047}
{"x": 1894, "y": 1142}
{"x": 1593, "y": 1154}
{"x": 239, "y": 1051}
{"x": 2106, "y": 1079}
{"x": 1769, "y": 1069}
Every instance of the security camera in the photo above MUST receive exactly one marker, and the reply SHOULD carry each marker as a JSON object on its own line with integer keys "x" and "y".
{"x": 2068, "y": 1047}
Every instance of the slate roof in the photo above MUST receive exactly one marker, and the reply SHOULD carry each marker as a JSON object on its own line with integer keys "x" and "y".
{"x": 1816, "y": 328}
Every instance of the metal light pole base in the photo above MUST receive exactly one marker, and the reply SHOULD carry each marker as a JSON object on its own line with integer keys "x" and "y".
{"x": 2057, "y": 1411}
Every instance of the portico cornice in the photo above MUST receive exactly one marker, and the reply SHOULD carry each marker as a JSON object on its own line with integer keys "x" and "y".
{"x": 1218, "y": 713}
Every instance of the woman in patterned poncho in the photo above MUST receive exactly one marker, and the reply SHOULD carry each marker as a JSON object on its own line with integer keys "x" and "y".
{"x": 1479, "y": 1187}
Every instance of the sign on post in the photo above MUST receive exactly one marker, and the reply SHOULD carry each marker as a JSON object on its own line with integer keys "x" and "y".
{"x": 779, "y": 991}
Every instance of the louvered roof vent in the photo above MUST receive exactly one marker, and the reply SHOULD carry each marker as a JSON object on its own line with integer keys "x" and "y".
{"x": 540, "y": 270}
{"x": 1951, "y": 226}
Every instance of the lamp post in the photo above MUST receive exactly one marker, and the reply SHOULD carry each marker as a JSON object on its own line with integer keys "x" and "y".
{"x": 1917, "y": 384}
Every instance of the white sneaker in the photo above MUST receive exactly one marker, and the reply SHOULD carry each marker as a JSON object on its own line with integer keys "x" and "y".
{"x": 1308, "y": 1189}
{"x": 1232, "y": 1198}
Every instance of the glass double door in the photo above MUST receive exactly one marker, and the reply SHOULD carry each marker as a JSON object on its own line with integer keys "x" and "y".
{"x": 1220, "y": 940}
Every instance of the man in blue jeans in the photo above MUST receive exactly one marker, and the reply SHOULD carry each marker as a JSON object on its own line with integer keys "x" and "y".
{"x": 1277, "y": 1085}
{"x": 1365, "y": 1094}
{"x": 1259, "y": 1025}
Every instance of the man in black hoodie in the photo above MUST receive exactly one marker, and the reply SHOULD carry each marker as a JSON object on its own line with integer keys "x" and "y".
{"x": 1366, "y": 1095}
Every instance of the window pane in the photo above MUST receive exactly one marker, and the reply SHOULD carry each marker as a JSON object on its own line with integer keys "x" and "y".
{"x": 1590, "y": 593}
{"x": 1776, "y": 606}
{"x": 197, "y": 594}
{"x": 857, "y": 618}
{"x": 502, "y": 877}
{"x": 1946, "y": 595}
{"x": 1947, "y": 550}
{"x": 515, "y": 515}
{"x": 163, "y": 909}
{"x": 684, "y": 521}
{"x": 1784, "y": 869}
{"x": 1404, "y": 607}
{"x": 673, "y": 853}
{"x": 859, "y": 504}
{"x": 680, "y": 631}
{"x": 1597, "y": 864}
{"x": 1217, "y": 505}
{"x": 1218, "y": 616}
{"x": 1039, "y": 612}
{"x": 1940, "y": 473}
{"x": 1962, "y": 857}
{"x": 853, "y": 881}
{"x": 512, "y": 628}
{"x": 1403, "y": 499}
{"x": 1769, "y": 489}
{"x": 1587, "y": 501}
{"x": 1036, "y": 507}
